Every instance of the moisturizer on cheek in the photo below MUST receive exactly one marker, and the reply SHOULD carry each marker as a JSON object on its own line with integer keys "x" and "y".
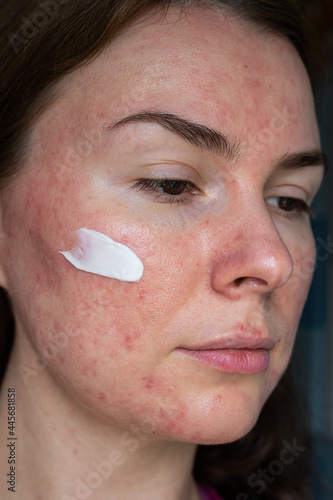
{"x": 98, "y": 254}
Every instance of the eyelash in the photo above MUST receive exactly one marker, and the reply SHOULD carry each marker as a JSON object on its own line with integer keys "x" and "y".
{"x": 155, "y": 186}
{"x": 302, "y": 206}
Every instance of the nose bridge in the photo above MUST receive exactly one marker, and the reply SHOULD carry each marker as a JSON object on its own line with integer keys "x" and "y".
{"x": 252, "y": 251}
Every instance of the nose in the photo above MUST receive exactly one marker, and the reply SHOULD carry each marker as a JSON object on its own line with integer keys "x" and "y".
{"x": 251, "y": 257}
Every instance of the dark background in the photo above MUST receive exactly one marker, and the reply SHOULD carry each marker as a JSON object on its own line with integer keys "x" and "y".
{"x": 313, "y": 357}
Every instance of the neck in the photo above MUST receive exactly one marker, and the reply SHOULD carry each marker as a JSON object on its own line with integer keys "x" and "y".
{"x": 66, "y": 452}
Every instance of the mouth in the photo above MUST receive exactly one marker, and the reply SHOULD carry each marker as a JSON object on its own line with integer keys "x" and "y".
{"x": 234, "y": 355}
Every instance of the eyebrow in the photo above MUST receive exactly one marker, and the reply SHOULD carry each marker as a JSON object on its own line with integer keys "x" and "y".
{"x": 208, "y": 139}
{"x": 196, "y": 134}
{"x": 314, "y": 158}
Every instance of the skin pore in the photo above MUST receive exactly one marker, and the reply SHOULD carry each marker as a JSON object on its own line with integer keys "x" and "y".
{"x": 227, "y": 260}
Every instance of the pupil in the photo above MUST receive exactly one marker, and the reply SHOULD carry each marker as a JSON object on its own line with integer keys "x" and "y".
{"x": 173, "y": 187}
{"x": 286, "y": 203}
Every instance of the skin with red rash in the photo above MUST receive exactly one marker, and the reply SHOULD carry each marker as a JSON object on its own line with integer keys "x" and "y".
{"x": 227, "y": 262}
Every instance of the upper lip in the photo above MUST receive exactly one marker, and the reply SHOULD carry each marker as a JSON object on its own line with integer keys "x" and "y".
{"x": 235, "y": 342}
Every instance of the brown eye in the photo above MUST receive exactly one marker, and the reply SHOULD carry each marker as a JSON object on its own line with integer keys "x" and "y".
{"x": 292, "y": 205}
{"x": 168, "y": 190}
{"x": 288, "y": 204}
{"x": 173, "y": 187}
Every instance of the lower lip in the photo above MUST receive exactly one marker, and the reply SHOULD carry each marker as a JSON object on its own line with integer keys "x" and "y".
{"x": 233, "y": 360}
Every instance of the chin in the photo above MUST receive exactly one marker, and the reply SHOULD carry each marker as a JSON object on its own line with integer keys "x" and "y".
{"x": 214, "y": 419}
{"x": 228, "y": 431}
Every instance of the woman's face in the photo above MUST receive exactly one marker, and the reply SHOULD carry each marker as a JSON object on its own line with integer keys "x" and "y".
{"x": 193, "y": 350}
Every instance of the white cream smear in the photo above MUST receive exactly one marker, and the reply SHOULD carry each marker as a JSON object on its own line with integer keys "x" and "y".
{"x": 96, "y": 253}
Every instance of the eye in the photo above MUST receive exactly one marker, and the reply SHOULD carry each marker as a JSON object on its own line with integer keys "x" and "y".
{"x": 287, "y": 204}
{"x": 168, "y": 190}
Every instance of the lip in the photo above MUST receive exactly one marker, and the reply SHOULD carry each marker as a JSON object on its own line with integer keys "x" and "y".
{"x": 241, "y": 361}
{"x": 242, "y": 355}
{"x": 236, "y": 342}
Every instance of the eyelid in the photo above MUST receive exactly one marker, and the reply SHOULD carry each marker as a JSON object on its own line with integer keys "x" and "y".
{"x": 173, "y": 169}
{"x": 305, "y": 182}
{"x": 147, "y": 184}
{"x": 290, "y": 191}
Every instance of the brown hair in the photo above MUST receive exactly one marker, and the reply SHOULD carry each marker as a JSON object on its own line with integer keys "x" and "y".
{"x": 41, "y": 43}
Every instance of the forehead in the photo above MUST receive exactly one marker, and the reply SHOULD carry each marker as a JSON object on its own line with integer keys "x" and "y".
{"x": 203, "y": 65}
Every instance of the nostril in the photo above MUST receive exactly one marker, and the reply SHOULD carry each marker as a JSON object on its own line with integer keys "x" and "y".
{"x": 255, "y": 281}
{"x": 238, "y": 281}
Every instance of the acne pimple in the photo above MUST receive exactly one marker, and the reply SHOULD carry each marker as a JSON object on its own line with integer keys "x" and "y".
{"x": 90, "y": 370}
{"x": 101, "y": 396}
{"x": 148, "y": 382}
{"x": 175, "y": 424}
{"x": 239, "y": 327}
{"x": 171, "y": 426}
{"x": 128, "y": 342}
{"x": 257, "y": 332}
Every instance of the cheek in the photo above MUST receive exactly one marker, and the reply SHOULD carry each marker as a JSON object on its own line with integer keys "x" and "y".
{"x": 97, "y": 319}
